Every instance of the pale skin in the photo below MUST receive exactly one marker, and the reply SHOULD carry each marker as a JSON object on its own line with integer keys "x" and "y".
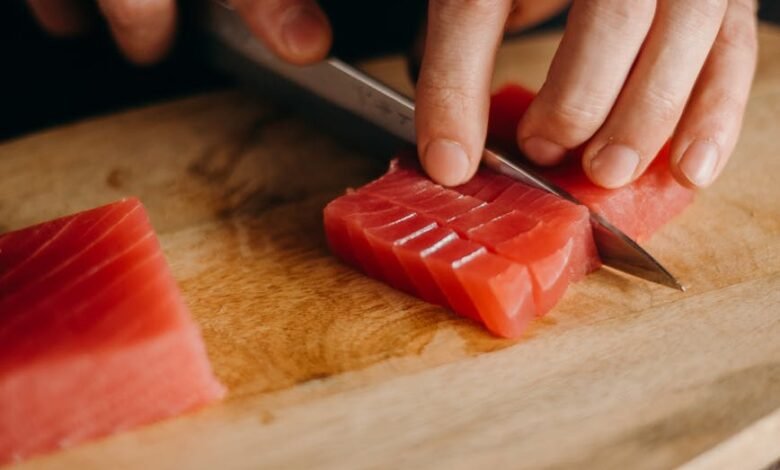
{"x": 628, "y": 75}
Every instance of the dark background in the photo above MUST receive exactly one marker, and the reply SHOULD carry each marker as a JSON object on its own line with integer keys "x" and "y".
{"x": 48, "y": 81}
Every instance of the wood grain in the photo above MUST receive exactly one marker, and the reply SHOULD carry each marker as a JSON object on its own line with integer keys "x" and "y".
{"x": 328, "y": 368}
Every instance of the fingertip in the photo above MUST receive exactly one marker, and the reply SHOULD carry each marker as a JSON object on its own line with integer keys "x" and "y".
{"x": 542, "y": 151}
{"x": 696, "y": 167}
{"x": 305, "y": 34}
{"x": 613, "y": 166}
{"x": 148, "y": 55}
{"x": 144, "y": 31}
{"x": 446, "y": 162}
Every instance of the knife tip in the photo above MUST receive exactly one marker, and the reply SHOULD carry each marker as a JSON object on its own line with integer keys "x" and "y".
{"x": 669, "y": 280}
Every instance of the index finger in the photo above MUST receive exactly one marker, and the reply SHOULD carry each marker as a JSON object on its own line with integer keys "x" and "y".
{"x": 453, "y": 90}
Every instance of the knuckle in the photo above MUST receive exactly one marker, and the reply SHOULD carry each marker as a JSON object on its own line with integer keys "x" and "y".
{"x": 727, "y": 103}
{"x": 665, "y": 107}
{"x": 128, "y": 14}
{"x": 450, "y": 98}
{"x": 576, "y": 120}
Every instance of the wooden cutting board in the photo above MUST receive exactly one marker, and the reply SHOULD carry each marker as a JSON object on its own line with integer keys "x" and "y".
{"x": 327, "y": 368}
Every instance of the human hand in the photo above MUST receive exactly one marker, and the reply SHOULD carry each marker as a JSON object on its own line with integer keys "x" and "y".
{"x": 626, "y": 76}
{"x": 296, "y": 30}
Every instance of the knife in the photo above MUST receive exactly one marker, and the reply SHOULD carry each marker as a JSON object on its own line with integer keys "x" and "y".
{"x": 333, "y": 83}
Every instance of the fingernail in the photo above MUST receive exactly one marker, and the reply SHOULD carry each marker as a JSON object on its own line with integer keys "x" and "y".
{"x": 302, "y": 31}
{"x": 446, "y": 162}
{"x": 614, "y": 166}
{"x": 542, "y": 151}
{"x": 699, "y": 161}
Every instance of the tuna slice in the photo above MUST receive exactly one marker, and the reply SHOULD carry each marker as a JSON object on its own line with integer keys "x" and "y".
{"x": 492, "y": 250}
{"x": 94, "y": 335}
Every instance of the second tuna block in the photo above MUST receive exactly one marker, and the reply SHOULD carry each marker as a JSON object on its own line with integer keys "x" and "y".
{"x": 94, "y": 335}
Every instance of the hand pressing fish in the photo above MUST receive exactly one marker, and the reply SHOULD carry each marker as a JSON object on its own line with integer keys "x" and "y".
{"x": 492, "y": 250}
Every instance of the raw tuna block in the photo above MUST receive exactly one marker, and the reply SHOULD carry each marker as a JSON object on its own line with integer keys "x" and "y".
{"x": 485, "y": 260}
{"x": 94, "y": 335}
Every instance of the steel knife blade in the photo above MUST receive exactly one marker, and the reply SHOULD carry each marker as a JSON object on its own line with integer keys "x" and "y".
{"x": 347, "y": 88}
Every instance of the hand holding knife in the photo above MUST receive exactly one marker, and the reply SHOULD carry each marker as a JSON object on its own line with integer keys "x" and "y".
{"x": 344, "y": 87}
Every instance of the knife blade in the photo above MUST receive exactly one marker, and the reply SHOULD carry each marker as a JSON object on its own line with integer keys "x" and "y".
{"x": 347, "y": 88}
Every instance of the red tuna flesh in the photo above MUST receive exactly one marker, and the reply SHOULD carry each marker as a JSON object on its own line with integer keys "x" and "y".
{"x": 639, "y": 208}
{"x": 94, "y": 335}
{"x": 482, "y": 259}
